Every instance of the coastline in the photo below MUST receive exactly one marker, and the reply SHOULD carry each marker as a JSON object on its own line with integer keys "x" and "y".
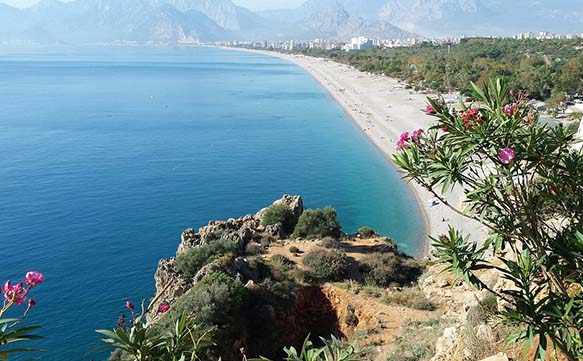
{"x": 383, "y": 109}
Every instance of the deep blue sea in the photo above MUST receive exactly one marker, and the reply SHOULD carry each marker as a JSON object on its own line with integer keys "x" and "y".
{"x": 107, "y": 154}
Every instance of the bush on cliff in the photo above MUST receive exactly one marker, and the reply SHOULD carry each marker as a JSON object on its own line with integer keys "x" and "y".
{"x": 191, "y": 261}
{"x": 280, "y": 213}
{"x": 216, "y": 301}
{"x": 388, "y": 269}
{"x": 366, "y": 232}
{"x": 326, "y": 265}
{"x": 315, "y": 223}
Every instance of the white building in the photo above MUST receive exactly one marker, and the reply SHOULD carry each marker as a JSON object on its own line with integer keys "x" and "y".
{"x": 361, "y": 43}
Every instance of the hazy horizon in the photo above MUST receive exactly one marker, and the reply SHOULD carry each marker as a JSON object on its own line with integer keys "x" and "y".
{"x": 256, "y": 5}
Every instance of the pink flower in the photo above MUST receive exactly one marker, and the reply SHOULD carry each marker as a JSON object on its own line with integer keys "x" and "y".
{"x": 510, "y": 109}
{"x": 506, "y": 155}
{"x": 129, "y": 305}
{"x": 15, "y": 294}
{"x": 470, "y": 117}
{"x": 34, "y": 278}
{"x": 429, "y": 110}
{"x": 403, "y": 139}
{"x": 553, "y": 191}
{"x": 416, "y": 134}
{"x": 164, "y": 307}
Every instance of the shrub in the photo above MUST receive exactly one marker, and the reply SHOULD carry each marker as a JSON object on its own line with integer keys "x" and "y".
{"x": 266, "y": 240}
{"x": 279, "y": 213}
{"x": 332, "y": 349}
{"x": 191, "y": 261}
{"x": 328, "y": 265}
{"x": 522, "y": 180}
{"x": 317, "y": 223}
{"x": 410, "y": 297}
{"x": 331, "y": 243}
{"x": 366, "y": 232}
{"x": 281, "y": 263}
{"x": 184, "y": 340}
{"x": 253, "y": 249}
{"x": 294, "y": 250}
{"x": 388, "y": 269}
{"x": 417, "y": 341}
{"x": 350, "y": 319}
{"x": 216, "y": 300}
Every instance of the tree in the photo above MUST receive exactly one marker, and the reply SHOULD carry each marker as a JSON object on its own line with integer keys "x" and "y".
{"x": 523, "y": 181}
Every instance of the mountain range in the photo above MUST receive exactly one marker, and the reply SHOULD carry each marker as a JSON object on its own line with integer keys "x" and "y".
{"x": 180, "y": 21}
{"x": 183, "y": 21}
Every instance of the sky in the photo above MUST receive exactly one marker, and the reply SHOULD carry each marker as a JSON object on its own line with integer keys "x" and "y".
{"x": 251, "y": 4}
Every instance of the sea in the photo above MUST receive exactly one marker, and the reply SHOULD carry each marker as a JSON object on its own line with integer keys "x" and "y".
{"x": 108, "y": 153}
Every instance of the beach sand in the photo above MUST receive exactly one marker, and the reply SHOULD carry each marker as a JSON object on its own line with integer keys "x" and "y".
{"x": 383, "y": 109}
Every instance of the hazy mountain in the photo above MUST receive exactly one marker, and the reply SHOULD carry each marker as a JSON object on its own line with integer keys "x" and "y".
{"x": 208, "y": 20}
{"x": 90, "y": 21}
{"x": 10, "y": 18}
{"x": 453, "y": 17}
{"x": 484, "y": 17}
{"x": 332, "y": 19}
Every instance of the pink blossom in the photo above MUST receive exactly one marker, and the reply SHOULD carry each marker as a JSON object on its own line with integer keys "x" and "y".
{"x": 470, "y": 117}
{"x": 553, "y": 191}
{"x": 429, "y": 110}
{"x": 15, "y": 294}
{"x": 164, "y": 307}
{"x": 34, "y": 278}
{"x": 510, "y": 109}
{"x": 506, "y": 155}
{"x": 416, "y": 134}
{"x": 403, "y": 139}
{"x": 129, "y": 305}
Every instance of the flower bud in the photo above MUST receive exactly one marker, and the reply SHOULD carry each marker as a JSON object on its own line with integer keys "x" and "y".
{"x": 129, "y": 305}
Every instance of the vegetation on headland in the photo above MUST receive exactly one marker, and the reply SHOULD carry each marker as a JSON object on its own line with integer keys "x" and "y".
{"x": 246, "y": 299}
{"x": 544, "y": 69}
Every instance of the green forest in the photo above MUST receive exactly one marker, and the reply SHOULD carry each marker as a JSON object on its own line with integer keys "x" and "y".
{"x": 546, "y": 70}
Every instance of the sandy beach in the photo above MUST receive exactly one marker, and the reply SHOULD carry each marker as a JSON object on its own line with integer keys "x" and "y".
{"x": 383, "y": 109}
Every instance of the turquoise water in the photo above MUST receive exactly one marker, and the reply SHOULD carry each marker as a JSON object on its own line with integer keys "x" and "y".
{"x": 107, "y": 155}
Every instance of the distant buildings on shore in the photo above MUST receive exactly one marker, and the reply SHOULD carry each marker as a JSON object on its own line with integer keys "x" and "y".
{"x": 543, "y": 35}
{"x": 364, "y": 43}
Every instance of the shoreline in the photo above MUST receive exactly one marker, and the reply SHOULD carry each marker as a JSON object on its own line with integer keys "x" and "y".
{"x": 383, "y": 109}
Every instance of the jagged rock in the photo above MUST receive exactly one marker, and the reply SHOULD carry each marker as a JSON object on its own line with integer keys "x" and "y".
{"x": 189, "y": 238}
{"x": 275, "y": 230}
{"x": 207, "y": 270}
{"x": 485, "y": 333}
{"x": 294, "y": 202}
{"x": 239, "y": 269}
{"x": 445, "y": 344}
{"x": 246, "y": 234}
{"x": 170, "y": 282}
{"x": 499, "y": 357}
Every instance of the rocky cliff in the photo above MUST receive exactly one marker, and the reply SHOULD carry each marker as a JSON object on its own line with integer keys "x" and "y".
{"x": 433, "y": 318}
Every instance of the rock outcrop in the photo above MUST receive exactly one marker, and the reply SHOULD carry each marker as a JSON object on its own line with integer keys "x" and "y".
{"x": 240, "y": 231}
{"x": 469, "y": 332}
